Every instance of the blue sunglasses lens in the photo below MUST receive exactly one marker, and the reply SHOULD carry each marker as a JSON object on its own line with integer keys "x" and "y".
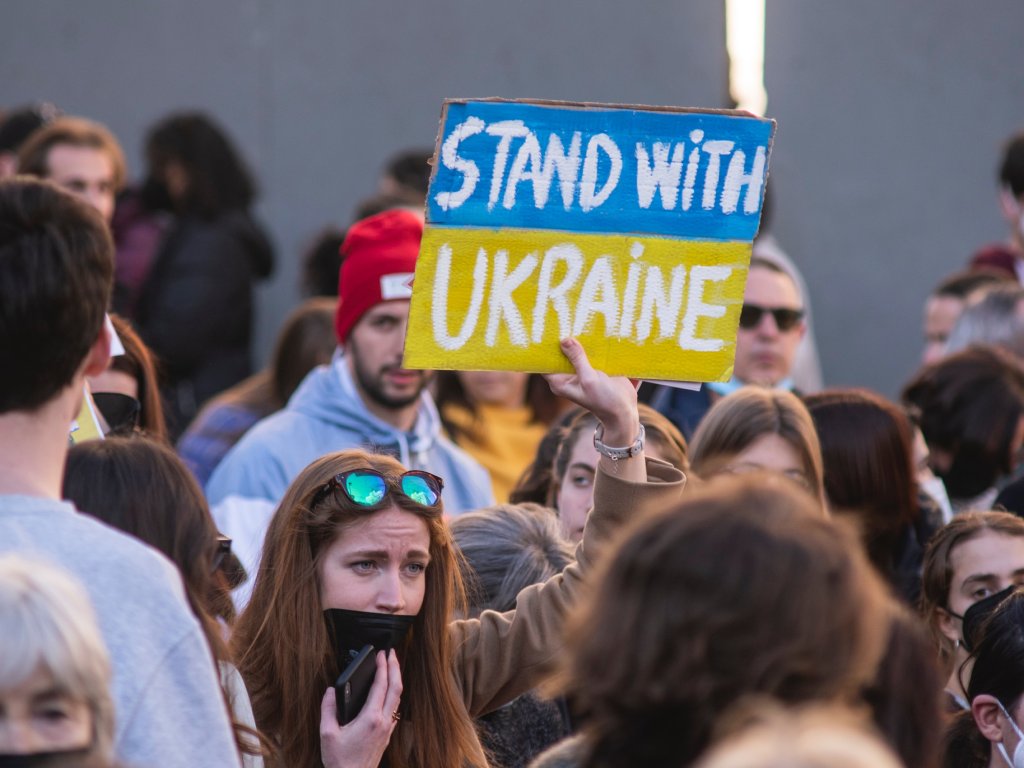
{"x": 420, "y": 490}
{"x": 365, "y": 489}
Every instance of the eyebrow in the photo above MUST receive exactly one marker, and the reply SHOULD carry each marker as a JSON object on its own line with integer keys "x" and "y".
{"x": 580, "y": 465}
{"x": 380, "y": 554}
{"x": 989, "y": 576}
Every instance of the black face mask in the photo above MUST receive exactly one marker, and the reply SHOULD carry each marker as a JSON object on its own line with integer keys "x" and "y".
{"x": 975, "y": 616}
{"x": 971, "y": 473}
{"x": 69, "y": 758}
{"x": 351, "y": 630}
{"x": 121, "y": 412}
{"x": 155, "y": 195}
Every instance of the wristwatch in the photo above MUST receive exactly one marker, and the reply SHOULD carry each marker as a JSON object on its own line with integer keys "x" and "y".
{"x": 618, "y": 453}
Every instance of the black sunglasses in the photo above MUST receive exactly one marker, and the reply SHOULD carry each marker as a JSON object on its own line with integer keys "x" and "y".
{"x": 368, "y": 488}
{"x": 785, "y": 318}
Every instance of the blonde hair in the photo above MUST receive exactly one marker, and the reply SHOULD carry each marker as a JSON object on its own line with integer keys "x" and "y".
{"x": 47, "y": 623}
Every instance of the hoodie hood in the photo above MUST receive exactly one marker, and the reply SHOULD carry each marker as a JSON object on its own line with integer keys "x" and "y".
{"x": 329, "y": 395}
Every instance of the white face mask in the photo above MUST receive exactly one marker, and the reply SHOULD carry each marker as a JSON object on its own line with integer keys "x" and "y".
{"x": 1018, "y": 751}
{"x": 936, "y": 490}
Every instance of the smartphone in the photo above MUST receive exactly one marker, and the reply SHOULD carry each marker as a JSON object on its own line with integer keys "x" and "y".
{"x": 353, "y": 685}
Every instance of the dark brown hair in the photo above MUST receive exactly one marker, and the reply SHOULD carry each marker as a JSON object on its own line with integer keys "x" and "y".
{"x": 968, "y": 405}
{"x": 937, "y": 572}
{"x": 281, "y": 640}
{"x": 867, "y": 448}
{"x": 56, "y": 275}
{"x": 139, "y": 362}
{"x": 141, "y": 487}
{"x": 534, "y": 485}
{"x": 672, "y": 635}
{"x": 34, "y": 155}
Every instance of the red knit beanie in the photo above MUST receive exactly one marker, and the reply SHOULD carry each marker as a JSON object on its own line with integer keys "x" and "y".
{"x": 379, "y": 259}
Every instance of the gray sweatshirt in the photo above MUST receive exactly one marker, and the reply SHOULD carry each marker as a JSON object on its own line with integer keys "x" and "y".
{"x": 168, "y": 705}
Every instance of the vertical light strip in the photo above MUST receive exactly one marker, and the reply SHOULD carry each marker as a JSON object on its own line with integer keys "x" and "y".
{"x": 744, "y": 41}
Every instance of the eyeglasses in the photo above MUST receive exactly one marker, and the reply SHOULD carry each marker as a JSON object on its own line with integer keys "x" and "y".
{"x": 785, "y": 318}
{"x": 367, "y": 487}
{"x": 223, "y": 551}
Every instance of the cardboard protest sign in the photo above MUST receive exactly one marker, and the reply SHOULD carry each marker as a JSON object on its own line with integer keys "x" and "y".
{"x": 627, "y": 227}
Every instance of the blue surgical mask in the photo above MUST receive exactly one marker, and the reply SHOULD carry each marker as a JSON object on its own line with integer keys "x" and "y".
{"x": 1018, "y": 751}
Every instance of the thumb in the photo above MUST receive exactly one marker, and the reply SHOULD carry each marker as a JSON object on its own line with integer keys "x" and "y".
{"x": 329, "y": 707}
{"x": 574, "y": 351}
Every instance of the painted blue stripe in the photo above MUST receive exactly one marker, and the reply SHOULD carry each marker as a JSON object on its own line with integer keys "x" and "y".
{"x": 455, "y": 200}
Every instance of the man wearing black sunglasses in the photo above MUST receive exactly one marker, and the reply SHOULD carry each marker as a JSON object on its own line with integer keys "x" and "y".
{"x": 770, "y": 329}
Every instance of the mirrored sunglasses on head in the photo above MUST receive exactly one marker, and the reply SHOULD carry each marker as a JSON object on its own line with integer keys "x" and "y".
{"x": 368, "y": 488}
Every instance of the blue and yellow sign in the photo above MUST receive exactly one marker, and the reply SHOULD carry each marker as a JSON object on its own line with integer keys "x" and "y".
{"x": 627, "y": 227}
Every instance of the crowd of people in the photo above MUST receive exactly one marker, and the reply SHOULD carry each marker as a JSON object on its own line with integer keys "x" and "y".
{"x": 550, "y": 571}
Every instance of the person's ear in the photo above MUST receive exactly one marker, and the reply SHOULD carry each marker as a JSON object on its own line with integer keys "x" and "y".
{"x": 98, "y": 358}
{"x": 986, "y": 711}
{"x": 802, "y": 329}
{"x": 1009, "y": 203}
{"x": 949, "y": 625}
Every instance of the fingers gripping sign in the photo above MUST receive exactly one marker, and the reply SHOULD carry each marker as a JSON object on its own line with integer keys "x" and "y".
{"x": 362, "y": 743}
{"x": 612, "y": 399}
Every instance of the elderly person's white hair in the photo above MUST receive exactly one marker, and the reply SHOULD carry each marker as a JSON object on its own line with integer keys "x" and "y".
{"x": 47, "y": 623}
{"x": 995, "y": 318}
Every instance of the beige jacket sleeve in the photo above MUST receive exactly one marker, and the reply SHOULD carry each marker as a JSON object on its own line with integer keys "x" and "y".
{"x": 500, "y": 656}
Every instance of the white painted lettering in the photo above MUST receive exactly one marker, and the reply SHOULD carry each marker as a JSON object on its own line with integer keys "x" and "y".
{"x": 439, "y": 307}
{"x": 714, "y": 150}
{"x": 663, "y": 174}
{"x": 598, "y": 297}
{"x": 629, "y": 297}
{"x": 589, "y": 197}
{"x": 506, "y": 130}
{"x": 573, "y": 258}
{"x": 665, "y": 303}
{"x": 528, "y": 154}
{"x": 696, "y": 309}
{"x": 502, "y": 305}
{"x": 567, "y": 165}
{"x": 696, "y": 137}
{"x": 450, "y": 159}
{"x": 736, "y": 178}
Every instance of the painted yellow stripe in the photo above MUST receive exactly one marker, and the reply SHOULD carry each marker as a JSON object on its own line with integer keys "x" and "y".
{"x": 462, "y": 320}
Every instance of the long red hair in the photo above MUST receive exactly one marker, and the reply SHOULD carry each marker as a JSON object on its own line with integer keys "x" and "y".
{"x": 281, "y": 641}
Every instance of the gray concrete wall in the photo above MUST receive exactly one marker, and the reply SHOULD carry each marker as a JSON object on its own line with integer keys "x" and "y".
{"x": 318, "y": 92}
{"x": 890, "y": 119}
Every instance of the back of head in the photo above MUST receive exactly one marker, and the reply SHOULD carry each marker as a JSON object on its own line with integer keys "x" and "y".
{"x": 17, "y": 125}
{"x": 48, "y": 625}
{"x": 56, "y": 274}
{"x": 218, "y": 180}
{"x": 996, "y": 319}
{"x": 738, "y": 420}
{"x": 867, "y": 450}
{"x": 968, "y": 405}
{"x": 743, "y": 588}
{"x": 964, "y": 285}
{"x": 505, "y": 549}
{"x": 33, "y": 157}
{"x": 1011, "y": 166}
{"x": 142, "y": 488}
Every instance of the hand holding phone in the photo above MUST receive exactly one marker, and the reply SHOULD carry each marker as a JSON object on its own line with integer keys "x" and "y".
{"x": 353, "y": 685}
{"x": 362, "y": 743}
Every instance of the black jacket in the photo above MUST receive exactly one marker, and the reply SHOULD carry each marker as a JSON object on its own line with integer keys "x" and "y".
{"x": 196, "y": 308}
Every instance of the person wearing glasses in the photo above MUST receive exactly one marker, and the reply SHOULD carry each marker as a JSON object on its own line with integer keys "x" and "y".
{"x": 770, "y": 330}
{"x": 359, "y": 553}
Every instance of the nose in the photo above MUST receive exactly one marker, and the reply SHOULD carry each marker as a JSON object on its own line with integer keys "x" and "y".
{"x": 767, "y": 326}
{"x": 391, "y": 595}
